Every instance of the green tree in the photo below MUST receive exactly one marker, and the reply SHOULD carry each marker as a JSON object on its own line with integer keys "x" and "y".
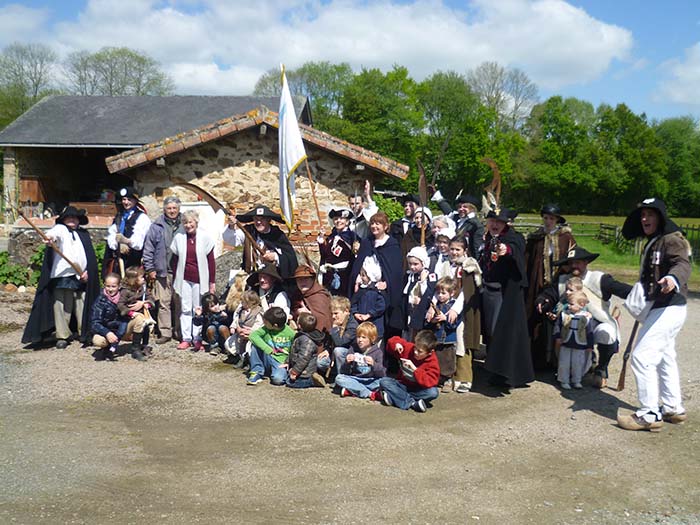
{"x": 115, "y": 71}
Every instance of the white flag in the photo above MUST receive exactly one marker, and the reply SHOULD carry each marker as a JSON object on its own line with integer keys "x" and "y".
{"x": 291, "y": 152}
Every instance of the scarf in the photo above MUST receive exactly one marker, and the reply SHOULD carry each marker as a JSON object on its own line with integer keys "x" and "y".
{"x": 125, "y": 217}
{"x": 112, "y": 299}
{"x": 347, "y": 235}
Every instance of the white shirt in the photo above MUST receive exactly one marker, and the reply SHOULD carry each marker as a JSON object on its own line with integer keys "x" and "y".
{"x": 141, "y": 227}
{"x": 71, "y": 246}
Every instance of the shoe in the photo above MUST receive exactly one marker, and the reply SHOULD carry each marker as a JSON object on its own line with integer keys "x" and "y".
{"x": 148, "y": 350}
{"x": 374, "y": 395}
{"x": 138, "y": 355}
{"x": 214, "y": 349}
{"x": 344, "y": 392}
{"x": 163, "y": 339}
{"x": 318, "y": 380}
{"x": 448, "y": 386}
{"x": 599, "y": 381}
{"x": 386, "y": 400}
{"x": 578, "y": 386}
{"x": 675, "y": 418}
{"x": 634, "y": 422}
{"x": 184, "y": 345}
{"x": 419, "y": 406}
{"x": 464, "y": 387}
{"x": 254, "y": 379}
{"x": 197, "y": 346}
{"x": 565, "y": 386}
{"x": 61, "y": 344}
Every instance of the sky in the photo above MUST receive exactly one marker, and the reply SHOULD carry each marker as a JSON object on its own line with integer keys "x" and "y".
{"x": 643, "y": 53}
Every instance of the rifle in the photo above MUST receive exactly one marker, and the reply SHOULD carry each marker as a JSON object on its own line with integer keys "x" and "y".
{"x": 43, "y": 236}
{"x": 625, "y": 358}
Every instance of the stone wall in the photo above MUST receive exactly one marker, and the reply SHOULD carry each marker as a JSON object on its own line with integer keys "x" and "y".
{"x": 24, "y": 242}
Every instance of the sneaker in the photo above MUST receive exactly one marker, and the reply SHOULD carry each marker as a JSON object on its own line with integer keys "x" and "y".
{"x": 374, "y": 395}
{"x": 419, "y": 406}
{"x": 464, "y": 387}
{"x": 675, "y": 417}
{"x": 448, "y": 386}
{"x": 61, "y": 344}
{"x": 344, "y": 392}
{"x": 184, "y": 345}
{"x": 318, "y": 380}
{"x": 386, "y": 400}
{"x": 565, "y": 386}
{"x": 254, "y": 379}
{"x": 578, "y": 386}
{"x": 634, "y": 422}
{"x": 163, "y": 339}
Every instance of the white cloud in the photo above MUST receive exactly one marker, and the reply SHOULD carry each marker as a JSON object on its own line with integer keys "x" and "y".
{"x": 218, "y": 46}
{"x": 21, "y": 24}
{"x": 683, "y": 86}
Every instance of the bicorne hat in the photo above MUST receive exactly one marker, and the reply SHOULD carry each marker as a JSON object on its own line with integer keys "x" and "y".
{"x": 260, "y": 211}
{"x": 341, "y": 211}
{"x": 468, "y": 199}
{"x": 576, "y": 254}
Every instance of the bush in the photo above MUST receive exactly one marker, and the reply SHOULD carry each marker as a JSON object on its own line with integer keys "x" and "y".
{"x": 13, "y": 273}
{"x": 391, "y": 207}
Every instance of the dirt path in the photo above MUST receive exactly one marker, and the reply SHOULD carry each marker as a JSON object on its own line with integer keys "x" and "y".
{"x": 181, "y": 439}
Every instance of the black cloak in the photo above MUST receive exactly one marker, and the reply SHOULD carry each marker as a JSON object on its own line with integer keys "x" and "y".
{"x": 274, "y": 240}
{"x": 41, "y": 322}
{"x": 505, "y": 324}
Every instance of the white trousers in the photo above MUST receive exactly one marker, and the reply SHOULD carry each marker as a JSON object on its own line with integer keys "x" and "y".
{"x": 190, "y": 299}
{"x": 654, "y": 362}
{"x": 604, "y": 334}
{"x": 573, "y": 363}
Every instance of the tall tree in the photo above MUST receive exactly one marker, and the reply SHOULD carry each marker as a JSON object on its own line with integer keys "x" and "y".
{"x": 115, "y": 71}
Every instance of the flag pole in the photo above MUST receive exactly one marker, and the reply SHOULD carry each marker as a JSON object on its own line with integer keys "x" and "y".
{"x": 313, "y": 194}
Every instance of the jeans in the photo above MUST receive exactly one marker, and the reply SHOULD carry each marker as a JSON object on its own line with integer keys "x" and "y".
{"x": 300, "y": 382}
{"x": 264, "y": 364}
{"x": 339, "y": 355}
{"x": 359, "y": 386}
{"x": 400, "y": 396}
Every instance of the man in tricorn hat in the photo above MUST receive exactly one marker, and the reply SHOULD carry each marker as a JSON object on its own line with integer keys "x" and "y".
{"x": 62, "y": 292}
{"x": 126, "y": 235}
{"x": 664, "y": 281}
{"x": 599, "y": 287}
{"x": 274, "y": 244}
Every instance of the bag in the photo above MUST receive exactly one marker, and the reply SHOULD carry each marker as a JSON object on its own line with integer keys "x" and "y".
{"x": 637, "y": 304}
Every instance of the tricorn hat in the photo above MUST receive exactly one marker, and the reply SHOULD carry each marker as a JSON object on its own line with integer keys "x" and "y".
{"x": 502, "y": 214}
{"x": 553, "y": 209}
{"x": 632, "y": 228}
{"x": 72, "y": 211}
{"x": 340, "y": 211}
{"x": 468, "y": 199}
{"x": 127, "y": 191}
{"x": 260, "y": 211}
{"x": 576, "y": 253}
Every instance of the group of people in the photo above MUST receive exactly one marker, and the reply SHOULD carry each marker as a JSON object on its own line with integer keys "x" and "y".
{"x": 394, "y": 311}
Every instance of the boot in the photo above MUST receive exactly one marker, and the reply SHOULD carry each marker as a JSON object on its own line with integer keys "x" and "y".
{"x": 136, "y": 351}
{"x": 605, "y": 353}
{"x": 146, "y": 348}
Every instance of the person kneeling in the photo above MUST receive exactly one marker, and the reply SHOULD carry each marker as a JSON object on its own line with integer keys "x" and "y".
{"x": 419, "y": 373}
{"x": 364, "y": 365}
{"x": 135, "y": 303}
{"x": 107, "y": 325}
{"x": 271, "y": 345}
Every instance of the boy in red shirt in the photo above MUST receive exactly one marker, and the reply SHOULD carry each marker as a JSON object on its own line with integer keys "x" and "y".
{"x": 418, "y": 374}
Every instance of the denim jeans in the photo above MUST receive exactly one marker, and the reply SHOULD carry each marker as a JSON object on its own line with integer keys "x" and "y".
{"x": 264, "y": 364}
{"x": 400, "y": 396}
{"x": 339, "y": 355}
{"x": 360, "y": 386}
{"x": 300, "y": 382}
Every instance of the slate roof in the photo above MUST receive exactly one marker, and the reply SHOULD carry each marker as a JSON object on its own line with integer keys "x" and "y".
{"x": 195, "y": 137}
{"x": 81, "y": 121}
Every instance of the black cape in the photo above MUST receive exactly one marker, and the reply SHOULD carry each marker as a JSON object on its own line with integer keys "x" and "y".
{"x": 41, "y": 322}
{"x": 275, "y": 239}
{"x": 505, "y": 328}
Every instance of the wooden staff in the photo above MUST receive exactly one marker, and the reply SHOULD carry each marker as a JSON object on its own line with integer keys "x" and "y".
{"x": 313, "y": 194}
{"x": 423, "y": 197}
{"x": 50, "y": 242}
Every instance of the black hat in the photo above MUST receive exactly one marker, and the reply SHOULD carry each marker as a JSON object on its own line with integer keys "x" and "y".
{"x": 502, "y": 214}
{"x": 553, "y": 209}
{"x": 576, "y": 254}
{"x": 72, "y": 211}
{"x": 468, "y": 199}
{"x": 342, "y": 211}
{"x": 410, "y": 197}
{"x": 268, "y": 269}
{"x": 127, "y": 191}
{"x": 260, "y": 211}
{"x": 632, "y": 228}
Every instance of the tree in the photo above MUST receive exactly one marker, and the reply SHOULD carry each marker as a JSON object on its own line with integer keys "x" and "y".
{"x": 115, "y": 71}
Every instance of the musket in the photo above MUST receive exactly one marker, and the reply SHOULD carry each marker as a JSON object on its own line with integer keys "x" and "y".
{"x": 625, "y": 357}
{"x": 217, "y": 205}
{"x": 46, "y": 239}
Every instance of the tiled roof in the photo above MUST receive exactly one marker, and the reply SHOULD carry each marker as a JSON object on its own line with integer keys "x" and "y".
{"x": 183, "y": 141}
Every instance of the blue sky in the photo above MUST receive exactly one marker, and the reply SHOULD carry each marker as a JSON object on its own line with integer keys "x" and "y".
{"x": 643, "y": 53}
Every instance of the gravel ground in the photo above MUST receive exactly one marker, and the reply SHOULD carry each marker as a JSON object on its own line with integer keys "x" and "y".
{"x": 182, "y": 439}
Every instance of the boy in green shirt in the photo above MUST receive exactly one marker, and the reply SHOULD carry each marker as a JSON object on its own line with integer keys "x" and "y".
{"x": 270, "y": 348}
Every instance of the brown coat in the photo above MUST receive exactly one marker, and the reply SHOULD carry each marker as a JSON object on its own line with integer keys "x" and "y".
{"x": 318, "y": 301}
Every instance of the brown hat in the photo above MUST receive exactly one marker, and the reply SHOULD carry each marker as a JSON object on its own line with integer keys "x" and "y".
{"x": 268, "y": 269}
{"x": 304, "y": 270}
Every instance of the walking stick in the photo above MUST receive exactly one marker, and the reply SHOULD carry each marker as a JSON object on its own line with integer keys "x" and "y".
{"x": 626, "y": 356}
{"x": 43, "y": 236}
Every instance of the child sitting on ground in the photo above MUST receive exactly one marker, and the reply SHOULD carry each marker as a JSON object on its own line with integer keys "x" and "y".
{"x": 419, "y": 373}
{"x": 302, "y": 357}
{"x": 418, "y": 290}
{"x": 107, "y": 325}
{"x": 135, "y": 302}
{"x": 359, "y": 375}
{"x": 573, "y": 338}
{"x": 445, "y": 332}
{"x": 247, "y": 317}
{"x": 213, "y": 319}
{"x": 343, "y": 330}
{"x": 270, "y": 348}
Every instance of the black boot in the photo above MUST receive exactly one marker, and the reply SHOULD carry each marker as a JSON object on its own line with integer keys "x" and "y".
{"x": 605, "y": 353}
{"x": 136, "y": 352}
{"x": 144, "y": 341}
